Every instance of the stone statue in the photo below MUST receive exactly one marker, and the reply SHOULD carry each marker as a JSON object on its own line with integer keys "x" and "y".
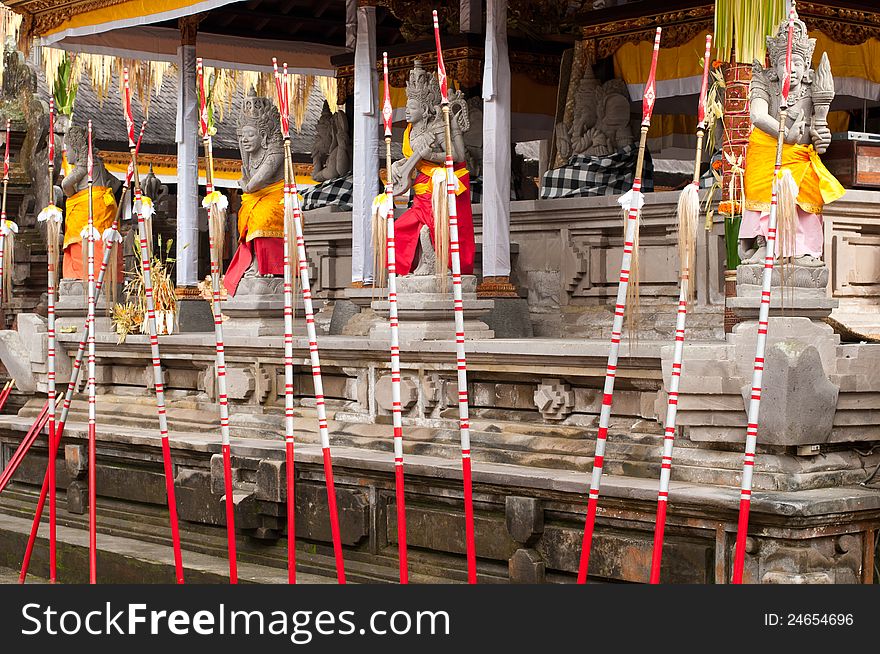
{"x": 75, "y": 188}
{"x": 806, "y": 137}
{"x": 261, "y": 216}
{"x": 331, "y": 149}
{"x": 601, "y": 124}
{"x": 422, "y": 169}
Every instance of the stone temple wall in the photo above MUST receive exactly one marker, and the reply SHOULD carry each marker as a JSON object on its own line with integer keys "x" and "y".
{"x": 566, "y": 256}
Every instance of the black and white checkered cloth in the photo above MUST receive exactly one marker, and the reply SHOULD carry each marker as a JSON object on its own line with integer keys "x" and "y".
{"x": 588, "y": 176}
{"x": 334, "y": 192}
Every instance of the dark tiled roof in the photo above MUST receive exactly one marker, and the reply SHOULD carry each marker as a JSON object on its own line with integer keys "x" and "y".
{"x": 109, "y": 123}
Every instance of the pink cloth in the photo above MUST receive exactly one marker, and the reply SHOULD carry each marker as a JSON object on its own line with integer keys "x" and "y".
{"x": 270, "y": 260}
{"x": 809, "y": 239}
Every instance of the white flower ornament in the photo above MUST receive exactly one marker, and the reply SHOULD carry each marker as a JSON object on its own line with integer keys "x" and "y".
{"x": 111, "y": 236}
{"x": 216, "y": 198}
{"x": 50, "y": 213}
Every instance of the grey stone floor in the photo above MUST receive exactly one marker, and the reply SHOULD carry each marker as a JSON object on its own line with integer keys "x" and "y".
{"x": 10, "y": 576}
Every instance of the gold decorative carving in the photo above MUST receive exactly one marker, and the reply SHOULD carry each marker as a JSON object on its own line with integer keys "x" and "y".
{"x": 679, "y": 27}
{"x": 417, "y": 23}
{"x": 46, "y": 15}
{"x": 847, "y": 26}
{"x": 496, "y": 287}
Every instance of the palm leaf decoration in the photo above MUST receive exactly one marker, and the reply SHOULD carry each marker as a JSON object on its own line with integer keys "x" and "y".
{"x": 743, "y": 25}
{"x": 66, "y": 86}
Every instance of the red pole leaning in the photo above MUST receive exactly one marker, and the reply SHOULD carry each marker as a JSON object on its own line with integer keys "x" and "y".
{"x": 763, "y": 324}
{"x": 289, "y": 441}
{"x": 689, "y": 205}
{"x": 90, "y": 317}
{"x": 650, "y": 96}
{"x": 111, "y": 237}
{"x": 158, "y": 376}
{"x": 396, "y": 417}
{"x": 461, "y": 360}
{"x": 320, "y": 404}
{"x": 216, "y": 205}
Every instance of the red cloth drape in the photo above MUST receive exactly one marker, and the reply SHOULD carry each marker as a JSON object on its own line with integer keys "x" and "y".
{"x": 409, "y": 224}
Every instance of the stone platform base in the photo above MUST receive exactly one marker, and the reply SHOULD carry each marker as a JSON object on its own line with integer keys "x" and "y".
{"x": 794, "y": 291}
{"x": 425, "y": 314}
{"x": 529, "y": 522}
{"x": 257, "y": 309}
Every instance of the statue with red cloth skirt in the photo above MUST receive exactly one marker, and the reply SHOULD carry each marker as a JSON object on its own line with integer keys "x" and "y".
{"x": 423, "y": 170}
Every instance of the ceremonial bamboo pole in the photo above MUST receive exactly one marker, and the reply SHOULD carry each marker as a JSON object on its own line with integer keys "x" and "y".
{"x": 463, "y": 419}
{"x": 4, "y": 395}
{"x": 396, "y": 417}
{"x": 23, "y": 447}
{"x": 109, "y": 251}
{"x": 53, "y": 282}
{"x": 289, "y": 441}
{"x": 90, "y": 319}
{"x": 320, "y": 404}
{"x": 688, "y": 204}
{"x": 631, "y": 234}
{"x": 215, "y": 233}
{"x": 763, "y": 324}
{"x": 3, "y": 228}
{"x": 158, "y": 376}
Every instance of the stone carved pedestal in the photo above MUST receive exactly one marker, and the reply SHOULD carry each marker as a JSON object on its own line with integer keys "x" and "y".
{"x": 71, "y": 307}
{"x": 803, "y": 294}
{"x": 257, "y": 309}
{"x": 426, "y": 315}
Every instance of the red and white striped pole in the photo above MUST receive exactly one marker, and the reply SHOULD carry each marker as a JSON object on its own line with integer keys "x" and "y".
{"x": 50, "y": 312}
{"x": 320, "y": 404}
{"x": 289, "y": 440}
{"x": 650, "y": 96}
{"x": 396, "y": 416}
{"x": 763, "y": 324}
{"x": 158, "y": 376}
{"x": 463, "y": 420}
{"x": 111, "y": 238}
{"x": 216, "y": 204}
{"x": 691, "y": 197}
{"x": 90, "y": 319}
{"x": 4, "y": 226}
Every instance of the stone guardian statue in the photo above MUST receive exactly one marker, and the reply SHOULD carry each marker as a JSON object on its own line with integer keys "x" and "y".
{"x": 76, "y": 215}
{"x": 806, "y": 137}
{"x": 261, "y": 217}
{"x": 422, "y": 169}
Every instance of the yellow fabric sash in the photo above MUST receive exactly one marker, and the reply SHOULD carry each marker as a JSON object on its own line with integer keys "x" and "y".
{"x": 428, "y": 168}
{"x": 816, "y": 185}
{"x": 103, "y": 205}
{"x": 262, "y": 213}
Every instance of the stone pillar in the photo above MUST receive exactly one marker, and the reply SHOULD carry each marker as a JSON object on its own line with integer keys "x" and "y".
{"x": 187, "y": 240}
{"x": 737, "y": 124}
{"x": 366, "y": 146}
{"x": 496, "y": 156}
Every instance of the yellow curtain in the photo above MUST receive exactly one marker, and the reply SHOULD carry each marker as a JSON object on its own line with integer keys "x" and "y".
{"x": 632, "y": 61}
{"x": 132, "y": 10}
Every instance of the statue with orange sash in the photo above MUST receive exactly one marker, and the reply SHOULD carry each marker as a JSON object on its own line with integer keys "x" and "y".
{"x": 75, "y": 187}
{"x": 806, "y": 137}
{"x": 422, "y": 169}
{"x": 261, "y": 216}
